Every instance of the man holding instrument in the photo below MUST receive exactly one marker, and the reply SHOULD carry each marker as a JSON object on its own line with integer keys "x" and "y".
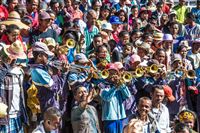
{"x": 113, "y": 92}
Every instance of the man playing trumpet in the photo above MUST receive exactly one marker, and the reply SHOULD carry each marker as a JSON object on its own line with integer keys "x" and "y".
{"x": 113, "y": 93}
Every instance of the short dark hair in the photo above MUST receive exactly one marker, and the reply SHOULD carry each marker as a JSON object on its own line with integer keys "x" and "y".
{"x": 51, "y": 112}
{"x": 191, "y": 16}
{"x": 122, "y": 33}
{"x": 11, "y": 27}
{"x": 159, "y": 87}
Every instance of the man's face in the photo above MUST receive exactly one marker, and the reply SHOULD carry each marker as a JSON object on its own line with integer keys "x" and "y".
{"x": 35, "y": 5}
{"x": 158, "y": 96}
{"x": 56, "y": 7}
{"x": 54, "y": 123}
{"x": 182, "y": 2}
{"x": 81, "y": 94}
{"x": 91, "y": 19}
{"x": 125, "y": 39}
{"x": 144, "y": 107}
{"x": 13, "y": 4}
{"x": 44, "y": 23}
{"x": 14, "y": 35}
{"x": 174, "y": 29}
{"x": 98, "y": 41}
{"x": 196, "y": 47}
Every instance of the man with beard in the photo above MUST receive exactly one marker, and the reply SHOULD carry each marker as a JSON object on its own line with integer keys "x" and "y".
{"x": 159, "y": 110}
{"x": 84, "y": 117}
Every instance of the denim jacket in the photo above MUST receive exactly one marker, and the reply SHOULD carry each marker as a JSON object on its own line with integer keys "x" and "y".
{"x": 112, "y": 101}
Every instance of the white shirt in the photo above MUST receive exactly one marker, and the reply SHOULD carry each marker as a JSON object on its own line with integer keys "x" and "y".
{"x": 162, "y": 117}
{"x": 15, "y": 104}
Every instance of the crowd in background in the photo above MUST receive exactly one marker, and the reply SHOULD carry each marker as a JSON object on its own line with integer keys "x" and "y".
{"x": 92, "y": 66}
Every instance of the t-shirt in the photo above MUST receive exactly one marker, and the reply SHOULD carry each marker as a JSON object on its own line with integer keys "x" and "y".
{"x": 36, "y": 35}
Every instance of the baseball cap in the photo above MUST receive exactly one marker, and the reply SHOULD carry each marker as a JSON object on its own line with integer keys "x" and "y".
{"x": 81, "y": 58}
{"x": 135, "y": 58}
{"x": 168, "y": 93}
{"x": 42, "y": 47}
{"x": 107, "y": 26}
{"x": 115, "y": 20}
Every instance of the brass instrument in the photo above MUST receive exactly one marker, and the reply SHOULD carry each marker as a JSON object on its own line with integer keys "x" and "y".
{"x": 104, "y": 74}
{"x": 70, "y": 43}
{"x": 191, "y": 74}
{"x": 152, "y": 69}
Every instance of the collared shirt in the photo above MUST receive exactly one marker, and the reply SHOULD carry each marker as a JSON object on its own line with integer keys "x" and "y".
{"x": 162, "y": 117}
{"x": 192, "y": 32}
{"x": 89, "y": 35}
{"x": 85, "y": 120}
{"x": 112, "y": 99}
{"x": 196, "y": 12}
{"x": 40, "y": 128}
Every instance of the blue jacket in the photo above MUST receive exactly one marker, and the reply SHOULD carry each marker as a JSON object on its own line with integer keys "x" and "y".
{"x": 112, "y": 101}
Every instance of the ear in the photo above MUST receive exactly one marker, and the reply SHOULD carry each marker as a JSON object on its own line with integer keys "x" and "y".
{"x": 48, "y": 122}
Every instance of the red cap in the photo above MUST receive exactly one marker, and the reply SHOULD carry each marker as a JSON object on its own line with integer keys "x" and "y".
{"x": 168, "y": 93}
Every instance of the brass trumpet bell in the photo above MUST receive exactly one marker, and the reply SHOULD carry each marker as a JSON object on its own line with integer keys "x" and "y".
{"x": 179, "y": 73}
{"x": 152, "y": 69}
{"x": 190, "y": 74}
{"x": 139, "y": 72}
{"x": 127, "y": 77}
{"x": 104, "y": 74}
{"x": 70, "y": 43}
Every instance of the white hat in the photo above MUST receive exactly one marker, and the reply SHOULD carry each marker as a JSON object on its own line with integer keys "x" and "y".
{"x": 107, "y": 26}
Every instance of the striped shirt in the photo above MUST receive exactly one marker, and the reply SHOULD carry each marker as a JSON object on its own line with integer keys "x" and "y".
{"x": 192, "y": 32}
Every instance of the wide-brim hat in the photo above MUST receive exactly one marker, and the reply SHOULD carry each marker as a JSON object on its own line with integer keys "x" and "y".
{"x": 14, "y": 18}
{"x": 158, "y": 36}
{"x": 185, "y": 43}
{"x": 15, "y": 50}
{"x": 144, "y": 9}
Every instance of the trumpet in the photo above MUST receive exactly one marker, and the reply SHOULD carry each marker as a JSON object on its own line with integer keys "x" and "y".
{"x": 70, "y": 43}
{"x": 152, "y": 69}
{"x": 191, "y": 74}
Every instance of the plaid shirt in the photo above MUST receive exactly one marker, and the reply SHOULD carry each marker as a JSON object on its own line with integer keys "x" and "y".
{"x": 6, "y": 95}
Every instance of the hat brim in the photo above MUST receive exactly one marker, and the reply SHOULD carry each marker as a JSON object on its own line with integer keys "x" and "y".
{"x": 116, "y": 22}
{"x": 110, "y": 29}
{"x": 13, "y": 55}
{"x": 18, "y": 23}
{"x": 49, "y": 53}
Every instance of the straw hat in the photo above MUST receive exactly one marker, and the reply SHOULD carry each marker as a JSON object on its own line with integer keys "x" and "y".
{"x": 158, "y": 36}
{"x": 15, "y": 50}
{"x": 3, "y": 110}
{"x": 14, "y": 18}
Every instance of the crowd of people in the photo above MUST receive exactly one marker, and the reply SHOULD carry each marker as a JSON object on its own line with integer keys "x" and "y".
{"x": 92, "y": 66}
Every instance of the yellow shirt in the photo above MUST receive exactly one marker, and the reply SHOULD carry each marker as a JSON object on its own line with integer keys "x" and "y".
{"x": 181, "y": 12}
